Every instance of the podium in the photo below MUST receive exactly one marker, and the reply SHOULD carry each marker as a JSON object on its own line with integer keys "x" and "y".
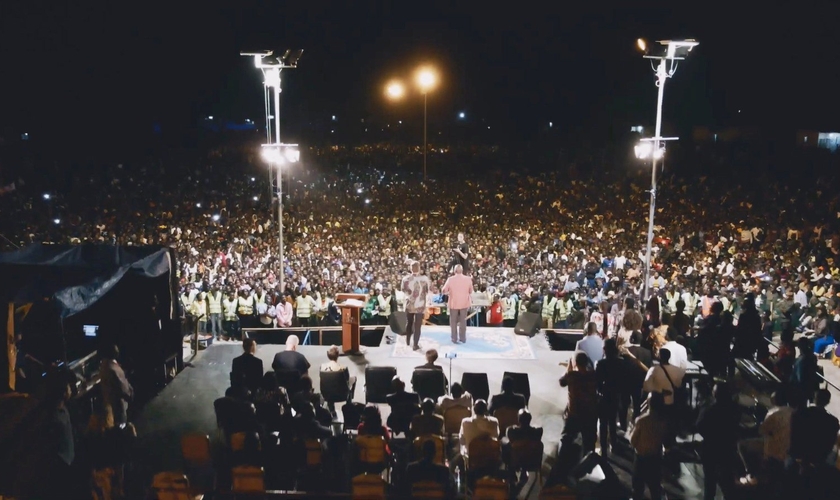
{"x": 351, "y": 305}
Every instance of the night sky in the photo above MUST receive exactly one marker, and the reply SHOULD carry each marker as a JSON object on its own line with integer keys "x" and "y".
{"x": 105, "y": 68}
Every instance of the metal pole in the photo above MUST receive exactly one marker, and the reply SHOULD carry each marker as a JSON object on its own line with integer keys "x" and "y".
{"x": 279, "y": 189}
{"x": 661, "y": 76}
{"x": 424, "y": 135}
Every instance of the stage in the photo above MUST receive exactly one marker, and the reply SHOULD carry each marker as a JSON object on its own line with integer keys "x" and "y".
{"x": 186, "y": 404}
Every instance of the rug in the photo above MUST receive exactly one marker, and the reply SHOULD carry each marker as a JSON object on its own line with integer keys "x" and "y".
{"x": 482, "y": 343}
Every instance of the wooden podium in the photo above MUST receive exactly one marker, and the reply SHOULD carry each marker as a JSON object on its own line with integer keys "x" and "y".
{"x": 351, "y": 319}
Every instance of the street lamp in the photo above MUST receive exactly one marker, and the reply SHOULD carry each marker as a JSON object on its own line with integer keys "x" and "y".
{"x": 675, "y": 50}
{"x": 395, "y": 90}
{"x": 426, "y": 81}
{"x": 271, "y": 65}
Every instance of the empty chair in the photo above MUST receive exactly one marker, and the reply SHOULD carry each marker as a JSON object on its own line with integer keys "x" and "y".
{"x": 247, "y": 479}
{"x": 488, "y": 488}
{"x": 173, "y": 486}
{"x": 477, "y": 385}
{"x": 352, "y": 413}
{"x": 507, "y": 417}
{"x": 368, "y": 487}
{"x": 521, "y": 384}
{"x": 378, "y": 383}
{"x": 198, "y": 463}
{"x": 429, "y": 383}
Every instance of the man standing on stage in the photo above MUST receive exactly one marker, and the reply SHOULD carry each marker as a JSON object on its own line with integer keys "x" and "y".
{"x": 459, "y": 289}
{"x": 461, "y": 254}
{"x": 416, "y": 287}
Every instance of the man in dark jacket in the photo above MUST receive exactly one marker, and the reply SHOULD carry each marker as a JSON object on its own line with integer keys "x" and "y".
{"x": 719, "y": 426}
{"x": 507, "y": 398}
{"x": 404, "y": 405}
{"x": 426, "y": 469}
{"x": 247, "y": 368}
{"x": 748, "y": 333}
{"x": 431, "y": 357}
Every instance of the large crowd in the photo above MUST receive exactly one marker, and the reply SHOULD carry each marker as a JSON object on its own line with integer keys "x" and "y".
{"x": 731, "y": 261}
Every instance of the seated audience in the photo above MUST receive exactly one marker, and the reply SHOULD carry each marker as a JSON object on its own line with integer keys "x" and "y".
{"x": 247, "y": 368}
{"x": 426, "y": 469}
{"x": 507, "y": 398}
{"x": 404, "y": 406}
{"x": 457, "y": 397}
{"x": 427, "y": 422}
{"x": 290, "y": 359}
{"x": 431, "y": 357}
{"x": 477, "y": 425}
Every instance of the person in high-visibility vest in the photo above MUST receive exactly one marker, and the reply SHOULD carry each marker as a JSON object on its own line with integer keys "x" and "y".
{"x": 199, "y": 310}
{"x": 245, "y": 310}
{"x": 231, "y": 320}
{"x": 214, "y": 309}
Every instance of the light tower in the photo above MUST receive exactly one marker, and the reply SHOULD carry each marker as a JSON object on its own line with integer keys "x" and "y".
{"x": 274, "y": 151}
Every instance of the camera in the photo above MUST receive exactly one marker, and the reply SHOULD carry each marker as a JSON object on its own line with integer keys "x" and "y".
{"x": 451, "y": 355}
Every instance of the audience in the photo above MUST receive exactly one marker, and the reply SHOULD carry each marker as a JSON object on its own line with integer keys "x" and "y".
{"x": 507, "y": 398}
{"x": 427, "y": 423}
{"x": 247, "y": 368}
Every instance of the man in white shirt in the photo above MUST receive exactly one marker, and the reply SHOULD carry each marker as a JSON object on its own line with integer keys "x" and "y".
{"x": 477, "y": 425}
{"x": 679, "y": 355}
{"x": 664, "y": 377}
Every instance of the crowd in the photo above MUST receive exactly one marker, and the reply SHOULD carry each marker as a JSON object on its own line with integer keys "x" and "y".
{"x": 732, "y": 264}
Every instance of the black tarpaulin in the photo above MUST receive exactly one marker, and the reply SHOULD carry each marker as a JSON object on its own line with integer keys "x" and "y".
{"x": 75, "y": 276}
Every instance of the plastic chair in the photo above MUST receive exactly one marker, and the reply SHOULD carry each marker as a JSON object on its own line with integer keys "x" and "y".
{"x": 527, "y": 455}
{"x": 173, "y": 486}
{"x": 237, "y": 442}
{"x": 440, "y": 448}
{"x": 198, "y": 463}
{"x": 371, "y": 450}
{"x": 477, "y": 385}
{"x": 368, "y": 487}
{"x": 247, "y": 479}
{"x": 314, "y": 453}
{"x": 483, "y": 454}
{"x": 558, "y": 492}
{"x": 428, "y": 490}
{"x": 452, "y": 418}
{"x": 488, "y": 488}
{"x": 507, "y": 417}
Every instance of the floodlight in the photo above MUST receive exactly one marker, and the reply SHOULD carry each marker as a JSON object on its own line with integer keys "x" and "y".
{"x": 395, "y": 89}
{"x": 678, "y": 49}
{"x": 272, "y": 77}
{"x": 643, "y": 150}
{"x": 426, "y": 79}
{"x": 641, "y": 44}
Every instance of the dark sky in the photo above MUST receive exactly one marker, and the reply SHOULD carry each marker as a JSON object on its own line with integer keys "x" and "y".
{"x": 114, "y": 68}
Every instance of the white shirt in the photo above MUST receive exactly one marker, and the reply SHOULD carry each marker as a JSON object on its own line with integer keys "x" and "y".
{"x": 657, "y": 381}
{"x": 475, "y": 426}
{"x": 679, "y": 356}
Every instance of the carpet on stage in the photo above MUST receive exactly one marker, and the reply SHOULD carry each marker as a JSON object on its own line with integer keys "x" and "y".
{"x": 482, "y": 343}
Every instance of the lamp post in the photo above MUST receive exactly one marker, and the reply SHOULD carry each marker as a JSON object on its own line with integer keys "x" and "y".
{"x": 426, "y": 79}
{"x": 675, "y": 51}
{"x": 276, "y": 153}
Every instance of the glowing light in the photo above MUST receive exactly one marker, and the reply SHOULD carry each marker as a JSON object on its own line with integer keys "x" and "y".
{"x": 644, "y": 150}
{"x": 550, "y": 124}
{"x": 462, "y": 115}
{"x": 216, "y": 217}
{"x": 426, "y": 79}
{"x": 46, "y": 196}
{"x": 198, "y": 205}
{"x": 272, "y": 77}
{"x": 367, "y": 201}
{"x": 253, "y": 179}
{"x": 56, "y": 221}
{"x": 641, "y": 44}
{"x": 255, "y": 198}
{"x": 359, "y": 190}
{"x": 333, "y": 117}
{"x": 395, "y": 90}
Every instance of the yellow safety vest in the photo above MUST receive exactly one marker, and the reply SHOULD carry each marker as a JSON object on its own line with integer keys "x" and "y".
{"x": 246, "y": 306}
{"x": 215, "y": 303}
{"x": 230, "y": 310}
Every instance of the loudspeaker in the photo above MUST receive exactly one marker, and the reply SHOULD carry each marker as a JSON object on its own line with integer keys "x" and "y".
{"x": 527, "y": 324}
{"x": 398, "y": 321}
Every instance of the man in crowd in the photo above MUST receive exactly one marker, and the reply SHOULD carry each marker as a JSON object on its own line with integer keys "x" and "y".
{"x": 290, "y": 359}
{"x": 459, "y": 287}
{"x": 416, "y": 287}
{"x": 247, "y": 368}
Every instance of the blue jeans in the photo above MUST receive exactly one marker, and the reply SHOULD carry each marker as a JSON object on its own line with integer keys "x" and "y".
{"x": 821, "y": 343}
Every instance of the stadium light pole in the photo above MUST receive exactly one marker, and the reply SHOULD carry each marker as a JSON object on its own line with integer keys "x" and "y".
{"x": 426, "y": 81}
{"x": 276, "y": 153}
{"x": 675, "y": 50}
